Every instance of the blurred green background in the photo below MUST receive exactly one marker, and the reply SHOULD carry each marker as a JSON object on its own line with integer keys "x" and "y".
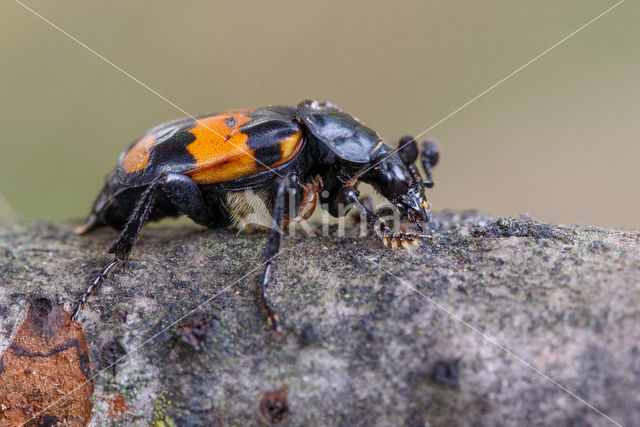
{"x": 558, "y": 141}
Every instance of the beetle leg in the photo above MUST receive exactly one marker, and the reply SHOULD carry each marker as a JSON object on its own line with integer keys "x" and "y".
{"x": 273, "y": 244}
{"x": 93, "y": 286}
{"x": 123, "y": 245}
{"x": 379, "y": 227}
{"x": 349, "y": 196}
{"x": 368, "y": 204}
{"x": 429, "y": 156}
{"x": 185, "y": 195}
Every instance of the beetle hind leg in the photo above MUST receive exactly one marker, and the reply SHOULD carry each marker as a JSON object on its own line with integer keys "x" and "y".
{"x": 187, "y": 197}
{"x": 95, "y": 283}
{"x": 285, "y": 185}
{"x": 123, "y": 245}
{"x": 183, "y": 194}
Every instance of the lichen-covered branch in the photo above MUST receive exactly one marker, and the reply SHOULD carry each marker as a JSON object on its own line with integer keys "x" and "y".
{"x": 360, "y": 347}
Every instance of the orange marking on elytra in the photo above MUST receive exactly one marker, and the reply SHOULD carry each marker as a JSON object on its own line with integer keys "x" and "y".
{"x": 220, "y": 151}
{"x": 289, "y": 147}
{"x": 138, "y": 156}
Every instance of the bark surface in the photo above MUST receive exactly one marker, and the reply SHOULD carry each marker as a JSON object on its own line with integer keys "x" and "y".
{"x": 501, "y": 322}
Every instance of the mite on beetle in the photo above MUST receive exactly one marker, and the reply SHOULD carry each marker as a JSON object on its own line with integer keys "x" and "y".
{"x": 211, "y": 168}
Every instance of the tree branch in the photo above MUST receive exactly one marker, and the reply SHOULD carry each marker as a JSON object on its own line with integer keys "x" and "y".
{"x": 360, "y": 347}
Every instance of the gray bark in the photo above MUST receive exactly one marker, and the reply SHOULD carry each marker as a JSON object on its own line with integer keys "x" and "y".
{"x": 360, "y": 347}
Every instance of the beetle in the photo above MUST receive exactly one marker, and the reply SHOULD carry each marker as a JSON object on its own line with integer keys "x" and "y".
{"x": 216, "y": 168}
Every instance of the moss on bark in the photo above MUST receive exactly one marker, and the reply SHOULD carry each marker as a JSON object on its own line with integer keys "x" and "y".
{"x": 360, "y": 347}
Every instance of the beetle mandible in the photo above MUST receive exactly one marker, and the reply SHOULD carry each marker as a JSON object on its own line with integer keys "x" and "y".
{"x": 210, "y": 167}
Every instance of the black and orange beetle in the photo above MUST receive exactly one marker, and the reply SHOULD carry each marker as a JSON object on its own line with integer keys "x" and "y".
{"x": 212, "y": 167}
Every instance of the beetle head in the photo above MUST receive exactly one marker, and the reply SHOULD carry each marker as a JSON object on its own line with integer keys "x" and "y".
{"x": 396, "y": 177}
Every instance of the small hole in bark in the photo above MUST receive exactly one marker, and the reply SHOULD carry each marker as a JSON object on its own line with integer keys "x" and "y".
{"x": 274, "y": 405}
{"x": 308, "y": 335}
{"x": 447, "y": 371}
{"x": 42, "y": 307}
{"x": 113, "y": 351}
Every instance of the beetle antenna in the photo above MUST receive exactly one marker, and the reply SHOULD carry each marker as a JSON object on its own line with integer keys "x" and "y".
{"x": 408, "y": 150}
{"x": 429, "y": 156}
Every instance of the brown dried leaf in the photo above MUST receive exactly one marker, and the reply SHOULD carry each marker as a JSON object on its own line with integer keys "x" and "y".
{"x": 47, "y": 359}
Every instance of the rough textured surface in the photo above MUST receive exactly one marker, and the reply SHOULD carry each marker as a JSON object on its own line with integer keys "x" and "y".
{"x": 360, "y": 347}
{"x": 47, "y": 358}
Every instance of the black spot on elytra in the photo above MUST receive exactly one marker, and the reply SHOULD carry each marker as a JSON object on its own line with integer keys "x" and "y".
{"x": 267, "y": 155}
{"x": 173, "y": 150}
{"x": 169, "y": 155}
{"x": 230, "y": 122}
{"x": 265, "y": 134}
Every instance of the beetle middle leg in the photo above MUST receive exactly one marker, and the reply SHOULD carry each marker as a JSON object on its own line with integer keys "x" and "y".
{"x": 183, "y": 193}
{"x": 285, "y": 185}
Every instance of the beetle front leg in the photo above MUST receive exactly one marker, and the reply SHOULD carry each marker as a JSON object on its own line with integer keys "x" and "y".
{"x": 349, "y": 196}
{"x": 394, "y": 238}
{"x": 285, "y": 185}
